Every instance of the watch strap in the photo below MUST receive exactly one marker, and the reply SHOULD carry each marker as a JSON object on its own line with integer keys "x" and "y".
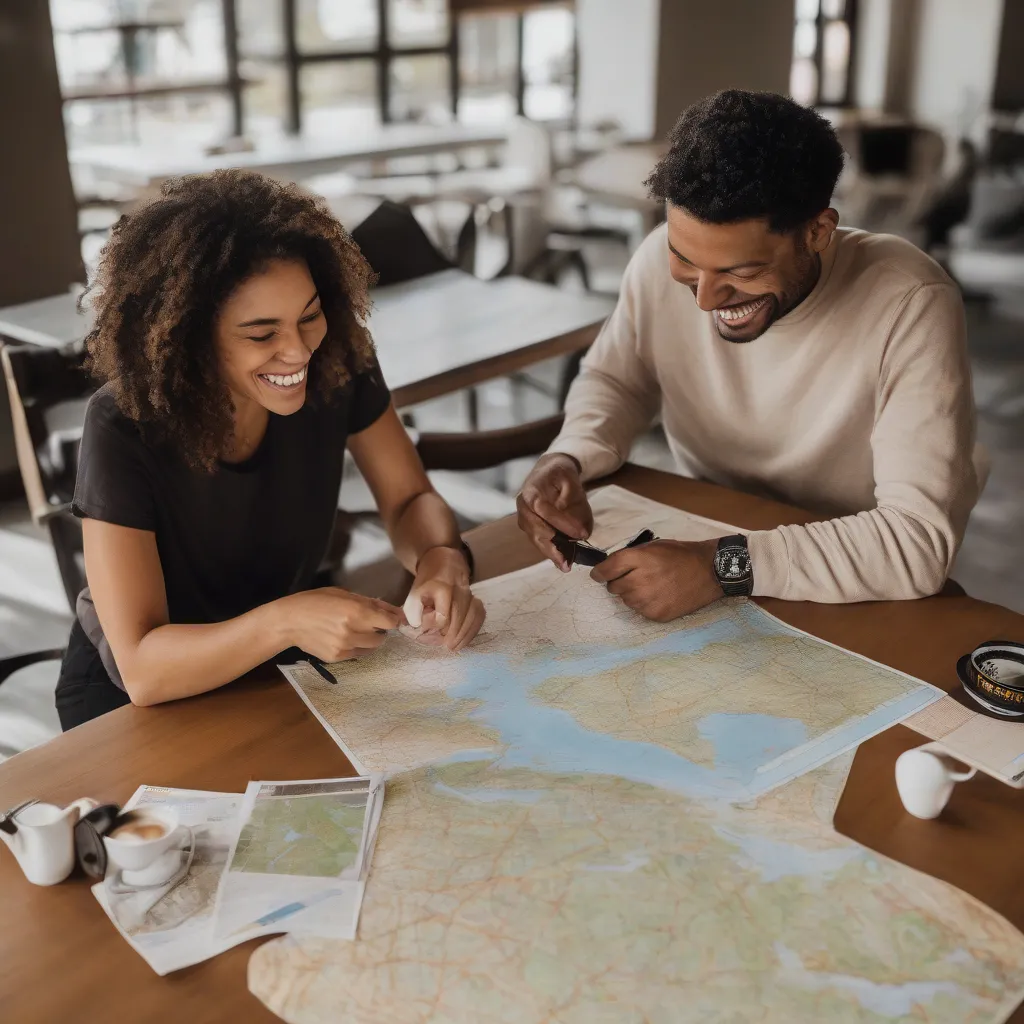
{"x": 735, "y": 588}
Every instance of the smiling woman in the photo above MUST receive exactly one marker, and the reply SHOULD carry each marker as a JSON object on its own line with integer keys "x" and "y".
{"x": 230, "y": 336}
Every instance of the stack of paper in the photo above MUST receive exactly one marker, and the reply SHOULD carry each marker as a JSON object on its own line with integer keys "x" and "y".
{"x": 283, "y": 857}
{"x": 299, "y": 862}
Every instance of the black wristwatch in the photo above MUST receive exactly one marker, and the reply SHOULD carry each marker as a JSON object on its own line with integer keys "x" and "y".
{"x": 732, "y": 566}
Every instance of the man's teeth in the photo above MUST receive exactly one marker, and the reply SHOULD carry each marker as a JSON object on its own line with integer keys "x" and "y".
{"x": 739, "y": 312}
{"x": 284, "y": 382}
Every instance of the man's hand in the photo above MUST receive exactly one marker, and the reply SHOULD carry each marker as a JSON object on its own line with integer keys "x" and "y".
{"x": 552, "y": 499}
{"x": 664, "y": 579}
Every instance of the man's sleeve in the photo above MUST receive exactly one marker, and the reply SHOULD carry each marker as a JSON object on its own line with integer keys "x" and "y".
{"x": 925, "y": 482}
{"x": 615, "y": 397}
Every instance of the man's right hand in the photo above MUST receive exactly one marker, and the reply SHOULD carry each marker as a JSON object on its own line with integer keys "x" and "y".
{"x": 553, "y": 499}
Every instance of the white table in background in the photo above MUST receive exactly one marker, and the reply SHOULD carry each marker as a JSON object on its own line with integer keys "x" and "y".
{"x": 290, "y": 157}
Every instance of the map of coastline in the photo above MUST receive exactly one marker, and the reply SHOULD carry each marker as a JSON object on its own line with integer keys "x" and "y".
{"x": 593, "y": 818}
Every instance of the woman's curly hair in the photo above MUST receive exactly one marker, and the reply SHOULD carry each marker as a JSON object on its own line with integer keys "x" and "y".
{"x": 164, "y": 275}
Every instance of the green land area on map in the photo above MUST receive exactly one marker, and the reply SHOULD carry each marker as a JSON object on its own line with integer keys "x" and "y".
{"x": 317, "y": 836}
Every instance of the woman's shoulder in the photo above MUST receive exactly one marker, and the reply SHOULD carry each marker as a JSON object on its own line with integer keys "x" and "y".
{"x": 105, "y": 417}
{"x": 364, "y": 386}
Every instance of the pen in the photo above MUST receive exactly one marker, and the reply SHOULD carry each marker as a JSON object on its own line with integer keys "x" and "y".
{"x": 318, "y": 666}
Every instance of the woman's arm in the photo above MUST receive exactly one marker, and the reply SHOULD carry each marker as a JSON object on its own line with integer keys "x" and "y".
{"x": 415, "y": 515}
{"x": 422, "y": 528}
{"x": 159, "y": 661}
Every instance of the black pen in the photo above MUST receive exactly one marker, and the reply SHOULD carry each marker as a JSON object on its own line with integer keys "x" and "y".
{"x": 317, "y": 665}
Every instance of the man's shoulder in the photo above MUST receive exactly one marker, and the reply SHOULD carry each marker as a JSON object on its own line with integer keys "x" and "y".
{"x": 648, "y": 275}
{"x": 888, "y": 262}
{"x": 653, "y": 250}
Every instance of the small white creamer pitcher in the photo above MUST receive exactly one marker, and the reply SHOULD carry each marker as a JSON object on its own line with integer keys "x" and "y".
{"x": 41, "y": 837}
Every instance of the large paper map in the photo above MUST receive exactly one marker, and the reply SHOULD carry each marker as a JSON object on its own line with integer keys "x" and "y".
{"x": 591, "y": 818}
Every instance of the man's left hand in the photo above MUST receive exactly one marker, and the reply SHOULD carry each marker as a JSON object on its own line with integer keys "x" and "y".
{"x": 663, "y": 579}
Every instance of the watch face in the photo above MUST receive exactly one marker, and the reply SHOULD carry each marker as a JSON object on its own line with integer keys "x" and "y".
{"x": 732, "y": 564}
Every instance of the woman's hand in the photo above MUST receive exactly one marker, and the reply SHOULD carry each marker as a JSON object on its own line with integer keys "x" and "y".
{"x": 440, "y": 599}
{"x": 334, "y": 625}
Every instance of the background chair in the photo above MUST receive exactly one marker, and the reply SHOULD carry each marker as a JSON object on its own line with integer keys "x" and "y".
{"x": 385, "y": 577}
{"x": 48, "y": 391}
{"x": 894, "y": 175}
{"x": 396, "y": 245}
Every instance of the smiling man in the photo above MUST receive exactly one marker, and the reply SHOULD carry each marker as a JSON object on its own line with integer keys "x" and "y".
{"x": 787, "y": 357}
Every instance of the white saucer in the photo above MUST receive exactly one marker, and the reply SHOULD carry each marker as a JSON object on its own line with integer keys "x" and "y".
{"x": 168, "y": 869}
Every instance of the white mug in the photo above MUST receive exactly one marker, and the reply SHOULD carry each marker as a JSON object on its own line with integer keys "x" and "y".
{"x": 136, "y": 854}
{"x": 925, "y": 780}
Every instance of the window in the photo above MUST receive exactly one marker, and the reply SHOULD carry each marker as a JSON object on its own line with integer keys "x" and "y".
{"x": 549, "y": 62}
{"x": 338, "y": 96}
{"x": 822, "y": 52}
{"x": 420, "y": 88}
{"x": 517, "y": 63}
{"x": 197, "y": 71}
{"x": 488, "y": 67}
{"x": 149, "y": 70}
{"x": 417, "y": 23}
{"x": 326, "y": 25}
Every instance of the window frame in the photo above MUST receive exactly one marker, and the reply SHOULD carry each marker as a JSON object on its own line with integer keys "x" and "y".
{"x": 383, "y": 54}
{"x": 850, "y": 18}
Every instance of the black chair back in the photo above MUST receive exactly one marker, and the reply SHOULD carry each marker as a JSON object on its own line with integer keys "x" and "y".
{"x": 396, "y": 246}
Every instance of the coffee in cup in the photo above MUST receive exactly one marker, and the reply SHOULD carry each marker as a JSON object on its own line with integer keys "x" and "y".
{"x": 140, "y": 830}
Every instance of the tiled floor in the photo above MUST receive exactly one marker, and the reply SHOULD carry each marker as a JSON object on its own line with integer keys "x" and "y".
{"x": 34, "y": 615}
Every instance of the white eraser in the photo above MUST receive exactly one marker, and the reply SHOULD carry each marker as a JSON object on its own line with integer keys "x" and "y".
{"x": 413, "y": 610}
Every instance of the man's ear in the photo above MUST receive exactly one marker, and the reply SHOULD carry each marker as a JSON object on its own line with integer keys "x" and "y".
{"x": 821, "y": 229}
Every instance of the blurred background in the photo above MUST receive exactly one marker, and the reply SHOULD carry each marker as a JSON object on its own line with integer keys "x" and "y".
{"x": 489, "y": 158}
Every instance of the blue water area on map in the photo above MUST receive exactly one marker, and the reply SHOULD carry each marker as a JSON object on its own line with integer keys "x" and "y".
{"x": 478, "y": 795}
{"x": 774, "y": 859}
{"x": 743, "y": 743}
{"x": 746, "y": 747}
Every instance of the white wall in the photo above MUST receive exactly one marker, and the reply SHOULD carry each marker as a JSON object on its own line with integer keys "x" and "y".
{"x": 955, "y": 60}
{"x": 618, "y": 53}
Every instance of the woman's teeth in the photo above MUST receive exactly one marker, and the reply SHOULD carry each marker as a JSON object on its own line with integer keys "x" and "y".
{"x": 285, "y": 382}
{"x": 740, "y": 312}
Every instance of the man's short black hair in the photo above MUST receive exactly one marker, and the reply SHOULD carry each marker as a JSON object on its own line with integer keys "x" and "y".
{"x": 742, "y": 155}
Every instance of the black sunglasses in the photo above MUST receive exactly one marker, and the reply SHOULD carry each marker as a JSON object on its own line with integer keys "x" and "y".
{"x": 576, "y": 552}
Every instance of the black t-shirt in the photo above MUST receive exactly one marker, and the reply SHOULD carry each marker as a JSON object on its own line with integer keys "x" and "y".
{"x": 238, "y": 537}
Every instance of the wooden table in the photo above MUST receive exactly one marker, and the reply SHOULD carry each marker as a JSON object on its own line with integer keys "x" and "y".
{"x": 290, "y": 157}
{"x": 434, "y": 335}
{"x": 61, "y": 959}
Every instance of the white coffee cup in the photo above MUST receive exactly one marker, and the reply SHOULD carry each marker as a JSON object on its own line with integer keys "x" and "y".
{"x": 141, "y": 836}
{"x": 925, "y": 779}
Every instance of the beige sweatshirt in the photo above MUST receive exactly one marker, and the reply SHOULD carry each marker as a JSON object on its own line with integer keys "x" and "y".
{"x": 857, "y": 404}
